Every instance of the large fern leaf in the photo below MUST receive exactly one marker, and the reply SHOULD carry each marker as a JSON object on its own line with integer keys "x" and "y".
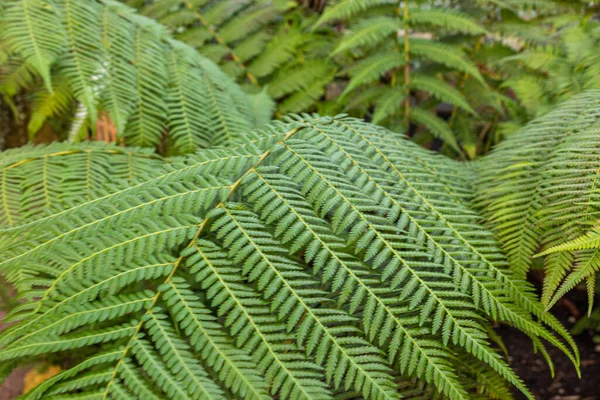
{"x": 542, "y": 191}
{"x": 115, "y": 60}
{"x": 319, "y": 258}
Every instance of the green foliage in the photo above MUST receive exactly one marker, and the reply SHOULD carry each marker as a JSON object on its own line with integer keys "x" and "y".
{"x": 315, "y": 257}
{"x": 261, "y": 44}
{"x": 470, "y": 65}
{"x": 109, "y": 59}
{"x": 552, "y": 70}
{"x": 404, "y": 47}
{"x": 539, "y": 188}
{"x": 320, "y": 258}
{"x": 457, "y": 60}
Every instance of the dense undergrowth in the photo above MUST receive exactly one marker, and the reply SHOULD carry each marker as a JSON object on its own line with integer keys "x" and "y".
{"x": 223, "y": 249}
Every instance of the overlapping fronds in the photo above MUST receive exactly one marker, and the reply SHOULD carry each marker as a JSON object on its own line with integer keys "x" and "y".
{"x": 262, "y": 44}
{"x": 401, "y": 46}
{"x": 43, "y": 179}
{"x": 539, "y": 189}
{"x": 565, "y": 64}
{"x": 108, "y": 58}
{"x": 322, "y": 257}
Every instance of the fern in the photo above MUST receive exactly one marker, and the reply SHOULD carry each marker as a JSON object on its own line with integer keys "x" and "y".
{"x": 256, "y": 42}
{"x": 54, "y": 177}
{"x": 111, "y": 59}
{"x": 318, "y": 258}
{"x": 555, "y": 57}
{"x": 393, "y": 44}
{"x": 542, "y": 191}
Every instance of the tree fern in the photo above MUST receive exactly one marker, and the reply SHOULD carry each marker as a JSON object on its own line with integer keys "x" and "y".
{"x": 256, "y": 42}
{"x": 542, "y": 191}
{"x": 114, "y": 60}
{"x": 554, "y": 71}
{"x": 392, "y": 42}
{"x": 319, "y": 258}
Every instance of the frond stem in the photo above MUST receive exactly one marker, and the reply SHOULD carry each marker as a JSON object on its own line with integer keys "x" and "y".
{"x": 406, "y": 64}
{"x": 192, "y": 243}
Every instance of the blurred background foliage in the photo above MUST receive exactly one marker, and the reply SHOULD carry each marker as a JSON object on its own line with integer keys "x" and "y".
{"x": 455, "y": 75}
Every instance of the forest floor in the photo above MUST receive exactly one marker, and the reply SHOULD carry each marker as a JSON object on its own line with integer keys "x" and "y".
{"x": 534, "y": 371}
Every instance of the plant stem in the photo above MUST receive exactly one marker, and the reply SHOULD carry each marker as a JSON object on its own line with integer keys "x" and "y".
{"x": 406, "y": 65}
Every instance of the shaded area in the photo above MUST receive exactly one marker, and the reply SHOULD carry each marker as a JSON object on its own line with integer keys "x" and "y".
{"x": 532, "y": 368}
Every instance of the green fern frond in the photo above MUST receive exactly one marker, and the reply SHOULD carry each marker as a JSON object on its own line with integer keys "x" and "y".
{"x": 253, "y": 19}
{"x": 15, "y": 75}
{"x": 590, "y": 240}
{"x": 436, "y": 126}
{"x": 54, "y": 177}
{"x": 447, "y": 55}
{"x": 117, "y": 61}
{"x": 401, "y": 45}
{"x": 543, "y": 191}
{"x": 146, "y": 124}
{"x": 372, "y": 68}
{"x": 48, "y": 104}
{"x": 256, "y": 42}
{"x": 34, "y": 31}
{"x": 587, "y": 264}
{"x": 368, "y": 32}
{"x": 388, "y": 103}
{"x": 296, "y": 78}
{"x": 308, "y": 96}
{"x": 319, "y": 258}
{"x": 447, "y": 19}
{"x": 345, "y": 9}
{"x": 262, "y": 107}
{"x": 440, "y": 90}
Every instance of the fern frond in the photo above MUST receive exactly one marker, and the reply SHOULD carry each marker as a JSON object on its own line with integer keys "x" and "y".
{"x": 587, "y": 265}
{"x": 345, "y": 9}
{"x": 277, "y": 52}
{"x": 117, "y": 61}
{"x": 82, "y": 64}
{"x": 436, "y": 126}
{"x": 588, "y": 241}
{"x": 440, "y": 90}
{"x": 290, "y": 80}
{"x": 52, "y": 177}
{"x": 146, "y": 123}
{"x": 368, "y": 32}
{"x": 544, "y": 191}
{"x": 33, "y": 30}
{"x": 319, "y": 258}
{"x": 262, "y": 107}
{"x": 48, "y": 104}
{"x": 447, "y": 55}
{"x": 308, "y": 96}
{"x": 372, "y": 68}
{"x": 447, "y": 19}
{"x": 388, "y": 103}
{"x": 120, "y": 49}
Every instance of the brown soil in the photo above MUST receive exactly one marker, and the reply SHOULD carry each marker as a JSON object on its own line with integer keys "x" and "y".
{"x": 534, "y": 371}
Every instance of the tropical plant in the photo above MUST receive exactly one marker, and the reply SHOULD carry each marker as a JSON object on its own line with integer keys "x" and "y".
{"x": 433, "y": 67}
{"x": 268, "y": 48}
{"x": 316, "y": 257}
{"x": 405, "y": 57}
{"x": 264, "y": 45}
{"x": 561, "y": 62}
{"x": 539, "y": 189}
{"x": 106, "y": 58}
{"x": 319, "y": 257}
